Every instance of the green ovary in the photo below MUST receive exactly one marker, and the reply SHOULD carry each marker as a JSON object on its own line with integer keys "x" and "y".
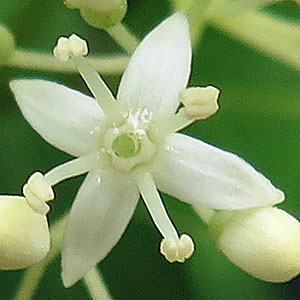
{"x": 126, "y": 146}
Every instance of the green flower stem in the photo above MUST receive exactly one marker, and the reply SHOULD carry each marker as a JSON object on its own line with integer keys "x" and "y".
{"x": 34, "y": 274}
{"x": 95, "y": 285}
{"x": 122, "y": 35}
{"x": 271, "y": 35}
{"x": 47, "y": 62}
{"x": 196, "y": 11}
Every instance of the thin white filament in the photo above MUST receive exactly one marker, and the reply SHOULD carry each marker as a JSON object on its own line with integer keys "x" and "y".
{"x": 95, "y": 83}
{"x": 73, "y": 168}
{"x": 155, "y": 206}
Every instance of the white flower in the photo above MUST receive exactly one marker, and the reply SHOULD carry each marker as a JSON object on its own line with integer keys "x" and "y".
{"x": 129, "y": 147}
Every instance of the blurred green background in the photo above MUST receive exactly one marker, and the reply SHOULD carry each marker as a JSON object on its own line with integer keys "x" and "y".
{"x": 259, "y": 119}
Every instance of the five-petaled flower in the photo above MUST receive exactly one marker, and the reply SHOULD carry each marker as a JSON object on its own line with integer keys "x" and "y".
{"x": 129, "y": 147}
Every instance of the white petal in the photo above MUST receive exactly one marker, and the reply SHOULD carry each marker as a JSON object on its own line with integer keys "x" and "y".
{"x": 65, "y": 118}
{"x": 101, "y": 211}
{"x": 159, "y": 68}
{"x": 201, "y": 174}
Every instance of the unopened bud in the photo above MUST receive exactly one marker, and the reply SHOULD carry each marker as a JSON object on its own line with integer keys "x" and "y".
{"x": 177, "y": 250}
{"x": 7, "y": 45}
{"x": 37, "y": 192}
{"x": 264, "y": 242}
{"x": 100, "y": 13}
{"x": 24, "y": 234}
{"x": 200, "y": 102}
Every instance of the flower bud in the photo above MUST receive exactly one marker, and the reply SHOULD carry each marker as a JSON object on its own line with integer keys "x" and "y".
{"x": 24, "y": 234}
{"x": 7, "y": 45}
{"x": 264, "y": 242}
{"x": 100, "y": 13}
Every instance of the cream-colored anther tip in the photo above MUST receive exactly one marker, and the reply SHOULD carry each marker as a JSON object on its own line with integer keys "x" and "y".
{"x": 200, "y": 102}
{"x": 37, "y": 192}
{"x": 177, "y": 250}
{"x": 70, "y": 47}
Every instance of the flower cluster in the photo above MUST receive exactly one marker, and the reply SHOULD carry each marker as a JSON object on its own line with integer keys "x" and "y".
{"x": 129, "y": 147}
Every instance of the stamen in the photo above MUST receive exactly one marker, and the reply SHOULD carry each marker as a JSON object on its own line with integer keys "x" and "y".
{"x": 75, "y": 48}
{"x": 61, "y": 50}
{"x": 155, "y": 206}
{"x": 200, "y": 102}
{"x": 37, "y": 192}
{"x": 177, "y": 250}
{"x": 73, "y": 168}
{"x": 95, "y": 84}
{"x": 70, "y": 47}
{"x": 172, "y": 124}
{"x": 172, "y": 247}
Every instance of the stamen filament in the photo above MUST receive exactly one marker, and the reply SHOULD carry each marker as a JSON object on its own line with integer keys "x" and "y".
{"x": 171, "y": 124}
{"x": 124, "y": 37}
{"x": 155, "y": 206}
{"x": 179, "y": 121}
{"x": 95, "y": 83}
{"x": 73, "y": 168}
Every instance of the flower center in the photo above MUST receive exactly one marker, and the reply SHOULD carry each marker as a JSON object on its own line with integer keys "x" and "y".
{"x": 127, "y": 143}
{"x": 126, "y": 146}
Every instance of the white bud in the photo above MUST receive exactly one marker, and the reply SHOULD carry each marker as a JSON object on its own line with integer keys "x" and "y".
{"x": 24, "y": 234}
{"x": 200, "y": 102}
{"x": 70, "y": 47}
{"x": 100, "y": 13}
{"x": 177, "y": 249}
{"x": 37, "y": 192}
{"x": 264, "y": 242}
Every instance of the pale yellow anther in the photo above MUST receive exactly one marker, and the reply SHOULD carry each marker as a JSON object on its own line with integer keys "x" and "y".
{"x": 73, "y": 46}
{"x": 77, "y": 46}
{"x": 37, "y": 192}
{"x": 177, "y": 250}
{"x": 61, "y": 50}
{"x": 200, "y": 102}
